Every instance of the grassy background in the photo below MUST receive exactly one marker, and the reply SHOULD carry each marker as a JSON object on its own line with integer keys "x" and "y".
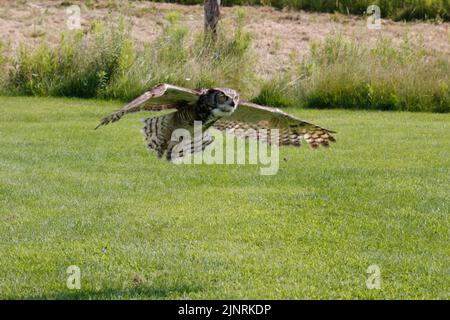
{"x": 104, "y": 62}
{"x": 339, "y": 72}
{"x": 70, "y": 195}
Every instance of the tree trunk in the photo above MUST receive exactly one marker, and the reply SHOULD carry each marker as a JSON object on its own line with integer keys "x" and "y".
{"x": 212, "y": 13}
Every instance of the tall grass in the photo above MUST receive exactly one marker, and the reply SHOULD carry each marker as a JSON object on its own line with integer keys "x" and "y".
{"x": 394, "y": 9}
{"x": 197, "y": 62}
{"x": 340, "y": 73}
{"x": 81, "y": 65}
{"x": 105, "y": 63}
{"x": 3, "y": 66}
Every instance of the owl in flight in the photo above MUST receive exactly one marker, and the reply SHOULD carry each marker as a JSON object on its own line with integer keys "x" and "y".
{"x": 219, "y": 108}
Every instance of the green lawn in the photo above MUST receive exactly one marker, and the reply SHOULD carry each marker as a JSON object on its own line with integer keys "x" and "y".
{"x": 139, "y": 227}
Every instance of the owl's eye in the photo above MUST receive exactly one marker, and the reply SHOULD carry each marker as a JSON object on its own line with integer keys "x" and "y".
{"x": 221, "y": 98}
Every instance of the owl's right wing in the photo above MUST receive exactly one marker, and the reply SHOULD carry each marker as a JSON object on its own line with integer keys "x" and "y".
{"x": 249, "y": 118}
{"x": 161, "y": 97}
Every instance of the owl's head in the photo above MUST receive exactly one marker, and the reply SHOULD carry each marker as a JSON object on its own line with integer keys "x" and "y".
{"x": 222, "y": 101}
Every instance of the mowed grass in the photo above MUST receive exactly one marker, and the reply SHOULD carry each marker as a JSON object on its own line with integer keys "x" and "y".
{"x": 139, "y": 227}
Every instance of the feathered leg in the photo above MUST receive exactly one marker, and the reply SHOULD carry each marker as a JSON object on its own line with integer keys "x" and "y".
{"x": 155, "y": 134}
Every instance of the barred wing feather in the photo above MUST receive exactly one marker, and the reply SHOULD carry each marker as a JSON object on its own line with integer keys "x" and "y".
{"x": 161, "y": 97}
{"x": 291, "y": 129}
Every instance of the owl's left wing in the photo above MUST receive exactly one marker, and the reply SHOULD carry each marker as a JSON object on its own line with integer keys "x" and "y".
{"x": 291, "y": 129}
{"x": 161, "y": 97}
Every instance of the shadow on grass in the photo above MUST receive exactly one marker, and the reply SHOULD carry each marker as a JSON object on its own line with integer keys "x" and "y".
{"x": 135, "y": 292}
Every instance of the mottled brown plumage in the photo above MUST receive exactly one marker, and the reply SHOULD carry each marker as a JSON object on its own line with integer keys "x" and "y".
{"x": 217, "y": 107}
